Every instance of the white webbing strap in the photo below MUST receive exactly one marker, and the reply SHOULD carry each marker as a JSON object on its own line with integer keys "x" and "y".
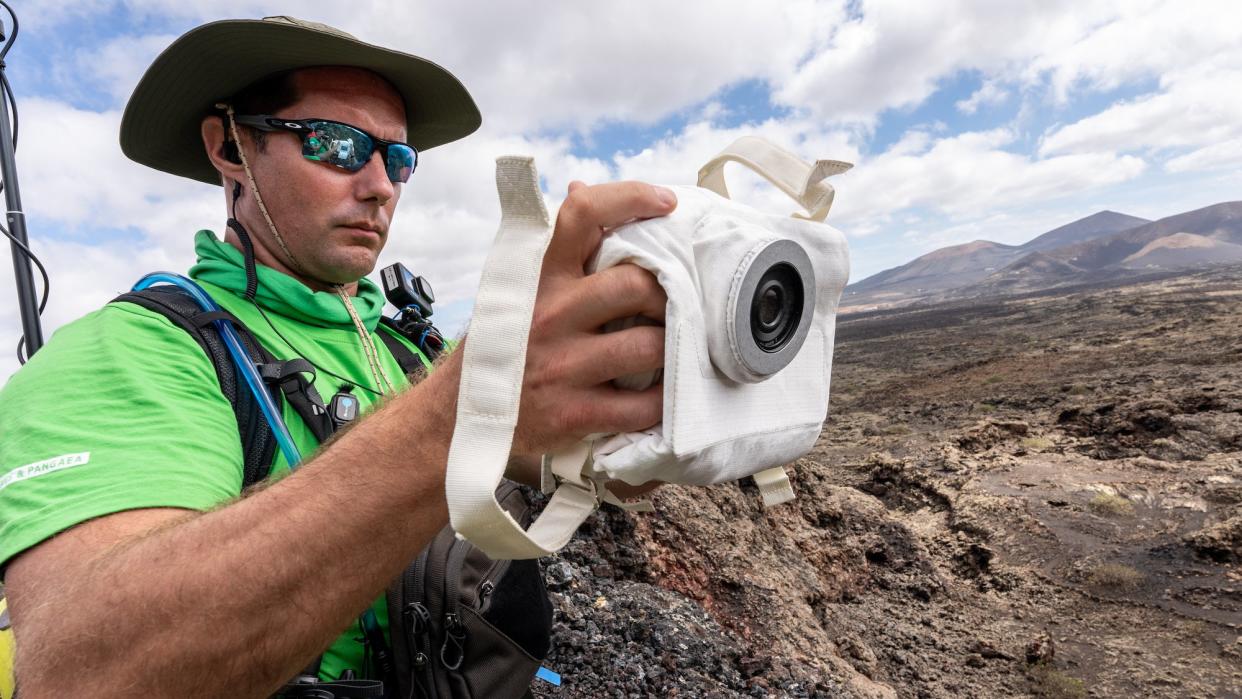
{"x": 493, "y": 364}
{"x": 802, "y": 181}
{"x": 774, "y": 486}
{"x": 640, "y": 505}
{"x": 547, "y": 485}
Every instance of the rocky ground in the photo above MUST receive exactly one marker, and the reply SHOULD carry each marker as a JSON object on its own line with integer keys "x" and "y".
{"x": 1034, "y": 496}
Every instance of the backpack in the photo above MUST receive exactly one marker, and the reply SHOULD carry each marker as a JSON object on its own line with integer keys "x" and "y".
{"x": 462, "y": 625}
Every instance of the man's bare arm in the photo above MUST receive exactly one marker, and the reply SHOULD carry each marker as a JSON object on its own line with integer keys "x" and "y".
{"x": 234, "y": 601}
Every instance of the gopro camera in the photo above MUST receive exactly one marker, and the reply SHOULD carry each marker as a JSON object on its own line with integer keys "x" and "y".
{"x": 405, "y": 290}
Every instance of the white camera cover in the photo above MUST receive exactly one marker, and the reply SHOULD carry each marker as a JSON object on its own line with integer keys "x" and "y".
{"x": 722, "y": 421}
{"x": 731, "y": 409}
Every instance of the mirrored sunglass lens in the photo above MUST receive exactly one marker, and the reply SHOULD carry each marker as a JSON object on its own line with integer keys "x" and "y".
{"x": 338, "y": 144}
{"x": 401, "y": 162}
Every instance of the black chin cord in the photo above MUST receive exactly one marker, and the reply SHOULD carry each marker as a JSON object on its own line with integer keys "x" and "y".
{"x": 252, "y": 288}
{"x": 252, "y": 276}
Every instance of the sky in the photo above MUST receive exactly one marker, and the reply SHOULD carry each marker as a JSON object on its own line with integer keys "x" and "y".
{"x": 965, "y": 120}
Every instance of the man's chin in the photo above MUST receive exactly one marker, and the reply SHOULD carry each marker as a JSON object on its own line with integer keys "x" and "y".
{"x": 352, "y": 277}
{"x": 342, "y": 259}
{"x": 349, "y": 271}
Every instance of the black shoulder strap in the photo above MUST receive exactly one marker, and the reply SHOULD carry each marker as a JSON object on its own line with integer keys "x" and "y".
{"x": 258, "y": 442}
{"x": 287, "y": 378}
{"x": 406, "y": 358}
{"x": 290, "y": 377}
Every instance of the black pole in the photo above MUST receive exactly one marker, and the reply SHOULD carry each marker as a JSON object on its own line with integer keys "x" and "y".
{"x": 26, "y": 300}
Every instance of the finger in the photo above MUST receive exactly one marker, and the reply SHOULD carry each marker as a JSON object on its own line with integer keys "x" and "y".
{"x": 576, "y": 185}
{"x": 618, "y": 410}
{"x": 614, "y": 293}
{"x": 587, "y": 211}
{"x": 612, "y": 204}
{"x": 601, "y": 358}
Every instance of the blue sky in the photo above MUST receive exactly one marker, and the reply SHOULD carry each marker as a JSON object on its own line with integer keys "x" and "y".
{"x": 965, "y": 120}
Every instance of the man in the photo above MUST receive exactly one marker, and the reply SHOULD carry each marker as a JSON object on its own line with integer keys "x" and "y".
{"x": 131, "y": 565}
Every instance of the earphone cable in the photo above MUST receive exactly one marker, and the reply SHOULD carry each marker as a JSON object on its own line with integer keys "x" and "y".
{"x": 303, "y": 355}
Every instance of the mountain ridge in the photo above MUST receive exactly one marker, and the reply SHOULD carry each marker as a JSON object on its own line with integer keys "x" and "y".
{"x": 1093, "y": 226}
{"x": 1101, "y": 244}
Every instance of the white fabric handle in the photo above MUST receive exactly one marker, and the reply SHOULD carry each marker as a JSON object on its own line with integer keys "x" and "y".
{"x": 801, "y": 181}
{"x": 493, "y": 364}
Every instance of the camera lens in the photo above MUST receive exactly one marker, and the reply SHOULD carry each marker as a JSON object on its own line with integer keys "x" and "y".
{"x": 768, "y": 307}
{"x": 776, "y": 309}
{"x": 759, "y": 301}
{"x": 771, "y": 303}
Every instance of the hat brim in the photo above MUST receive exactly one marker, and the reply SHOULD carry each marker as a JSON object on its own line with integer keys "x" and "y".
{"x": 161, "y": 124}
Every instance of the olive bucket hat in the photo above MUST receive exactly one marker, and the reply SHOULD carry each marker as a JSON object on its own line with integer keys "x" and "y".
{"x": 208, "y": 64}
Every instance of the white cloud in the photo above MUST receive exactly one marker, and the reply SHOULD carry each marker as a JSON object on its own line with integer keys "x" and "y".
{"x": 1200, "y": 109}
{"x": 956, "y": 175}
{"x": 539, "y": 67}
{"x": 1143, "y": 39}
{"x": 84, "y": 277}
{"x": 572, "y": 64}
{"x": 114, "y": 67}
{"x": 893, "y": 54}
{"x": 1190, "y": 50}
{"x": 53, "y": 14}
{"x": 987, "y": 95}
{"x": 578, "y": 66}
{"x": 1220, "y": 155}
{"x": 677, "y": 158}
{"x": 79, "y": 178}
{"x": 967, "y": 173}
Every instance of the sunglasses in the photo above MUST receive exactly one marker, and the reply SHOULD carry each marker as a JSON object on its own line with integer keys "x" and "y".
{"x": 347, "y": 147}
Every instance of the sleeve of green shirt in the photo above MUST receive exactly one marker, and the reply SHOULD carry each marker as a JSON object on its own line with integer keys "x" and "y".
{"x": 120, "y": 410}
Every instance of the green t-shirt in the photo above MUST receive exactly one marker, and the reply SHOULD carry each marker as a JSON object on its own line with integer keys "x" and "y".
{"x": 122, "y": 409}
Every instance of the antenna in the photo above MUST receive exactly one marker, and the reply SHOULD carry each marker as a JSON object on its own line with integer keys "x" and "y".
{"x": 15, "y": 220}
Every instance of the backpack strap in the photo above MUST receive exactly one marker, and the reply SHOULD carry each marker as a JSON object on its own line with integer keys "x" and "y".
{"x": 257, "y": 440}
{"x": 338, "y": 689}
{"x": 409, "y": 361}
{"x": 287, "y": 378}
{"x": 291, "y": 378}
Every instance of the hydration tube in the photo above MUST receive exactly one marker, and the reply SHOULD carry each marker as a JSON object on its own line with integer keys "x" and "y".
{"x": 240, "y": 358}
{"x": 368, "y": 619}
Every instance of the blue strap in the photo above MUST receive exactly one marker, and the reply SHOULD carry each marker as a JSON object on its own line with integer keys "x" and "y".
{"x": 548, "y": 676}
{"x": 240, "y": 357}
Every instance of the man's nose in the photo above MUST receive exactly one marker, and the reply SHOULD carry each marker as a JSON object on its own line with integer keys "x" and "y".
{"x": 373, "y": 182}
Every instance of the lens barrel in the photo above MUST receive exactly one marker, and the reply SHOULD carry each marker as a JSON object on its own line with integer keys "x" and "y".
{"x": 775, "y": 300}
{"x": 776, "y": 307}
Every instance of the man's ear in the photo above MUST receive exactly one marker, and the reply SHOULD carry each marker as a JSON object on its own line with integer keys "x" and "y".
{"x": 221, "y": 149}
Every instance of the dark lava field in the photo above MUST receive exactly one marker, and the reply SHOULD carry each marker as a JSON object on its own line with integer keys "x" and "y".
{"x": 1028, "y": 496}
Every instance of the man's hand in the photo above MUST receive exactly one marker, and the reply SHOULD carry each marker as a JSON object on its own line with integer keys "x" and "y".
{"x": 570, "y": 362}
